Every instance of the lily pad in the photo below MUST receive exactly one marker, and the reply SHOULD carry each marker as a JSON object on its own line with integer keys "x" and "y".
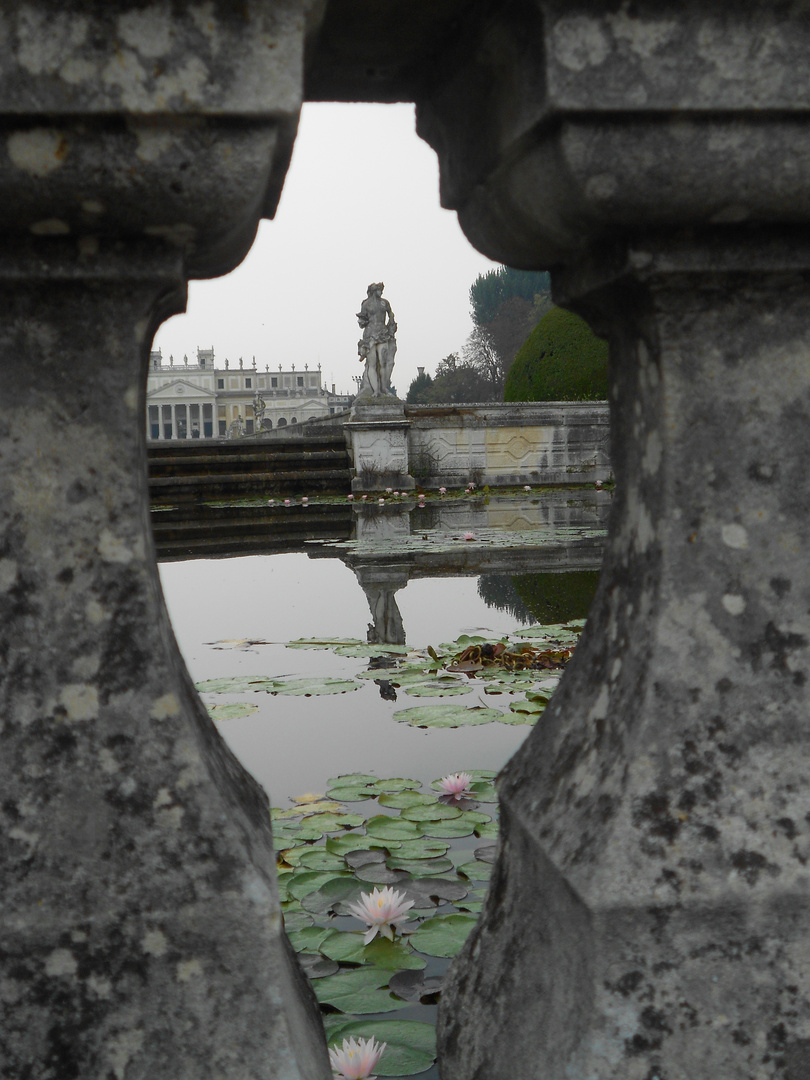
{"x": 390, "y": 955}
{"x": 379, "y": 874}
{"x": 475, "y": 871}
{"x": 393, "y": 828}
{"x": 240, "y": 684}
{"x": 421, "y": 867}
{"x": 447, "y": 716}
{"x": 364, "y": 990}
{"x": 308, "y": 939}
{"x": 410, "y": 1045}
{"x": 362, "y": 649}
{"x": 397, "y": 784}
{"x": 322, "y": 643}
{"x": 313, "y": 687}
{"x": 305, "y": 882}
{"x": 353, "y": 794}
{"x": 320, "y": 859}
{"x": 317, "y": 966}
{"x": 443, "y": 935}
{"x": 415, "y": 986}
{"x": 399, "y": 800}
{"x": 488, "y": 831}
{"x": 232, "y": 711}
{"x": 448, "y": 830}
{"x": 437, "y": 812}
{"x": 422, "y": 848}
{"x": 352, "y": 779}
{"x": 438, "y": 688}
{"x": 340, "y": 845}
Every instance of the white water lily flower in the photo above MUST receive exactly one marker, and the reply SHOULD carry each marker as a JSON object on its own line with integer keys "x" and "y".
{"x": 382, "y": 910}
{"x": 356, "y": 1060}
{"x": 457, "y": 785}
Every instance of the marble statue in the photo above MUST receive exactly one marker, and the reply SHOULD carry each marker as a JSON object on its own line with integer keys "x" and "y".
{"x": 378, "y": 344}
{"x": 259, "y": 409}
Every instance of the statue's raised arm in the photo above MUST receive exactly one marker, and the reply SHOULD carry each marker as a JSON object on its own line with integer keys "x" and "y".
{"x": 378, "y": 344}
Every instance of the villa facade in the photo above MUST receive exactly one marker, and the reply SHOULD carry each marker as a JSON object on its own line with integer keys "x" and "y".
{"x": 202, "y": 401}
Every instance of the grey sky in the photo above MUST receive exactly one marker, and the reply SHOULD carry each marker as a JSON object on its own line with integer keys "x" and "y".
{"x": 360, "y": 204}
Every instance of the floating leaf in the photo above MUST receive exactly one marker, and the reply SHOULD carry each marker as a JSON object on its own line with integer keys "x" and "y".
{"x": 360, "y": 991}
{"x": 361, "y": 649}
{"x": 309, "y": 881}
{"x": 399, "y": 800}
{"x": 398, "y": 784}
{"x": 352, "y": 780}
{"x": 232, "y": 711}
{"x": 447, "y": 716}
{"x": 423, "y": 848}
{"x": 379, "y": 874}
{"x": 443, "y": 935}
{"x": 410, "y": 1045}
{"x": 296, "y": 919}
{"x": 435, "y": 812}
{"x": 331, "y": 894}
{"x": 421, "y": 867}
{"x": 438, "y": 688}
{"x": 308, "y": 939}
{"x": 319, "y": 859}
{"x": 306, "y": 809}
{"x": 394, "y": 955}
{"x": 313, "y": 687}
{"x": 353, "y": 794}
{"x": 487, "y": 831}
{"x": 340, "y": 845}
{"x": 475, "y": 871}
{"x": 240, "y": 684}
{"x": 449, "y": 829}
{"x": 322, "y": 643}
{"x": 393, "y": 828}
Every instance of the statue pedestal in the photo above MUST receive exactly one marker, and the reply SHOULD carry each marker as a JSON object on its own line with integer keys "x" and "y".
{"x": 377, "y": 437}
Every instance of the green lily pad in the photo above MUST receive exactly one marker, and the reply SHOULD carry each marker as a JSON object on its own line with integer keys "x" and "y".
{"x": 240, "y": 684}
{"x": 356, "y": 779}
{"x": 437, "y": 812}
{"x": 393, "y": 828}
{"x": 421, "y": 867}
{"x": 306, "y": 809}
{"x": 322, "y": 643}
{"x": 448, "y": 830}
{"x": 305, "y": 882}
{"x": 438, "y": 688}
{"x": 308, "y": 939}
{"x": 446, "y": 716}
{"x": 410, "y": 1045}
{"x": 399, "y": 800}
{"x": 362, "y": 650}
{"x": 482, "y": 791}
{"x": 296, "y": 919}
{"x": 476, "y": 871}
{"x": 341, "y": 845}
{"x": 379, "y": 874}
{"x": 487, "y": 831}
{"x": 443, "y": 935}
{"x": 313, "y": 687}
{"x": 394, "y": 955}
{"x": 332, "y": 893}
{"x": 320, "y": 859}
{"x": 353, "y": 794}
{"x": 361, "y": 991}
{"x": 232, "y": 711}
{"x": 423, "y": 848}
{"x": 398, "y": 784}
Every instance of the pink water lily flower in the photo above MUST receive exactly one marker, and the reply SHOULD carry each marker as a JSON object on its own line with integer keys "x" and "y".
{"x": 356, "y": 1060}
{"x": 469, "y": 536}
{"x": 350, "y": 497}
{"x": 286, "y": 502}
{"x": 457, "y": 785}
{"x": 304, "y": 501}
{"x": 382, "y": 910}
{"x": 442, "y": 491}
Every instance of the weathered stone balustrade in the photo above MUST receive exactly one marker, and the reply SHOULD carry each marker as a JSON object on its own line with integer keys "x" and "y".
{"x": 649, "y": 911}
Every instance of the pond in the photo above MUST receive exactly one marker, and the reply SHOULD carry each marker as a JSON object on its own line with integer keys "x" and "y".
{"x": 325, "y": 667}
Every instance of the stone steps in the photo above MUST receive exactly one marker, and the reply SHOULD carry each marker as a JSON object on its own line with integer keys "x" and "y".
{"x": 198, "y": 472}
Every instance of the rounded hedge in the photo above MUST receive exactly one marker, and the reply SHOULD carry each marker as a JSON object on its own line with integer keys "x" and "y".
{"x": 561, "y": 360}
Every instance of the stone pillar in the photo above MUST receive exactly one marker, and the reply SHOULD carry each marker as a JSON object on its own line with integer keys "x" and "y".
{"x": 140, "y": 930}
{"x": 648, "y": 915}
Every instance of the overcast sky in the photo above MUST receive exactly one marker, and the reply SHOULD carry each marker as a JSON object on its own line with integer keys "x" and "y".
{"x": 360, "y": 204}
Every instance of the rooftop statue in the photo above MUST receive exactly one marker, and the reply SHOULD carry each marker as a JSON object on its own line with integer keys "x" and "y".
{"x": 378, "y": 344}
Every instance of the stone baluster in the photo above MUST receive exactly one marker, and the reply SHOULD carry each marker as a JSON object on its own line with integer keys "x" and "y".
{"x": 648, "y": 914}
{"x": 140, "y": 929}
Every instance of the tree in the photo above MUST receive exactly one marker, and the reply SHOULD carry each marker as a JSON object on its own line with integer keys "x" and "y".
{"x": 490, "y": 290}
{"x": 506, "y": 305}
{"x": 561, "y": 360}
{"x": 481, "y": 355}
{"x": 416, "y": 390}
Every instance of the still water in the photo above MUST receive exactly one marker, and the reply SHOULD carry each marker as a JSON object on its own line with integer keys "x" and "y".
{"x": 400, "y": 575}
{"x": 233, "y": 616}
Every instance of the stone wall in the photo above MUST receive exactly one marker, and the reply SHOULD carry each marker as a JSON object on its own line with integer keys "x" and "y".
{"x": 509, "y": 444}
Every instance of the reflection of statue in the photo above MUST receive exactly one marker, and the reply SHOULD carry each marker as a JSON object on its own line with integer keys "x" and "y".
{"x": 378, "y": 345}
{"x": 259, "y": 407}
{"x": 387, "y": 627}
